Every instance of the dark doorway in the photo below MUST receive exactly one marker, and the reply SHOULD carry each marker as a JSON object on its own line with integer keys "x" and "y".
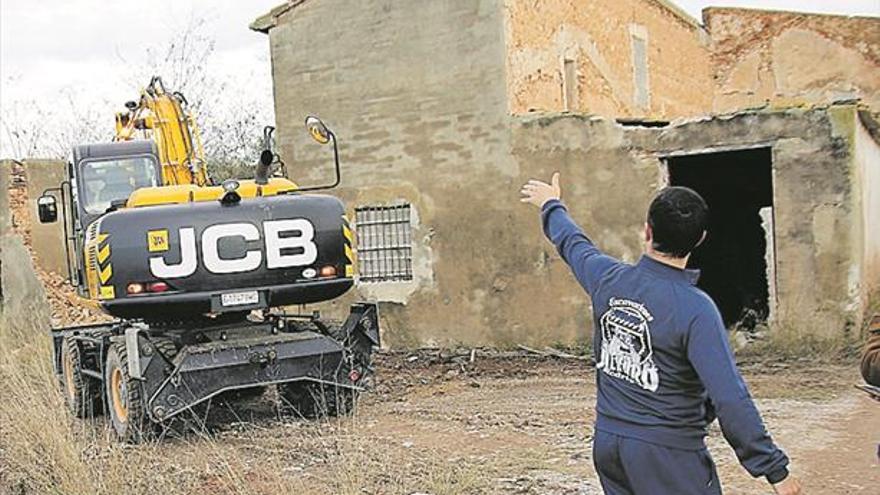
{"x": 737, "y": 185}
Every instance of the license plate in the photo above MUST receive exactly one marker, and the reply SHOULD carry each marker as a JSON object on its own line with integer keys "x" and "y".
{"x": 240, "y": 298}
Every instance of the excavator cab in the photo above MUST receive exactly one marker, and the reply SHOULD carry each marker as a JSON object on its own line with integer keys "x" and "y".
{"x": 105, "y": 175}
{"x": 100, "y": 178}
{"x": 109, "y": 181}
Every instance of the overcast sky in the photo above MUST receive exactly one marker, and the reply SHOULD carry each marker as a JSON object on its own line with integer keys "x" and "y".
{"x": 49, "y": 48}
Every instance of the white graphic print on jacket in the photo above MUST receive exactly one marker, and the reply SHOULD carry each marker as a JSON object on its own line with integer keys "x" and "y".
{"x": 626, "y": 344}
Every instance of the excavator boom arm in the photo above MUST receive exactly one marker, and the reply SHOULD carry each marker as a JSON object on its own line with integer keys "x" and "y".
{"x": 162, "y": 117}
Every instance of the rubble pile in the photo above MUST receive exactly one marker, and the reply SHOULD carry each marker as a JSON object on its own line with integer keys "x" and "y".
{"x": 66, "y": 308}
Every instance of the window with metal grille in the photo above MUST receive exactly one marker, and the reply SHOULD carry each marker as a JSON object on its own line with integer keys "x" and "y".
{"x": 384, "y": 237}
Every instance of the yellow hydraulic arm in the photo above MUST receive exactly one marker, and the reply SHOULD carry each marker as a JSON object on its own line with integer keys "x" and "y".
{"x": 161, "y": 117}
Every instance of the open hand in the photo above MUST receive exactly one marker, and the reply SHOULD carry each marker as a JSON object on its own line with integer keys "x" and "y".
{"x": 538, "y": 193}
{"x": 789, "y": 486}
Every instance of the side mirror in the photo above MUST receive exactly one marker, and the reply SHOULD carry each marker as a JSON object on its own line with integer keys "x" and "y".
{"x": 322, "y": 135}
{"x": 267, "y": 157}
{"x": 47, "y": 209}
{"x": 318, "y": 130}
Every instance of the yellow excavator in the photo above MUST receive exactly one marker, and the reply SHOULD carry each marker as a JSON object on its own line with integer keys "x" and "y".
{"x": 195, "y": 274}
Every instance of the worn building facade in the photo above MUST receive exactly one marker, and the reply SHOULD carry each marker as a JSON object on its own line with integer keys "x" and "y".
{"x": 792, "y": 58}
{"x": 621, "y": 58}
{"x": 431, "y": 102}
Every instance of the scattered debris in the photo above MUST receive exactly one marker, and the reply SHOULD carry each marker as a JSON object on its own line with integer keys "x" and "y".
{"x": 550, "y": 352}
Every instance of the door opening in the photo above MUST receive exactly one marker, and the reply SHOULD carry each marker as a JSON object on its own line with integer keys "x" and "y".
{"x": 736, "y": 259}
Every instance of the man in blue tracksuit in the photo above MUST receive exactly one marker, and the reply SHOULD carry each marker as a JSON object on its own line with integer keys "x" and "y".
{"x": 665, "y": 370}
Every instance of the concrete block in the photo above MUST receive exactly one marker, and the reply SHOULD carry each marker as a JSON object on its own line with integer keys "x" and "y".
{"x": 24, "y": 299}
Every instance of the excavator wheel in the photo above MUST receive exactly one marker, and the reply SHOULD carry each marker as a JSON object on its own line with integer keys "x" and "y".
{"x": 311, "y": 399}
{"x": 314, "y": 400}
{"x": 82, "y": 394}
{"x": 125, "y": 401}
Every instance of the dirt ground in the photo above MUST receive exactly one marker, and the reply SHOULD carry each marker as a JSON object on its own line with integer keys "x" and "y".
{"x": 525, "y": 423}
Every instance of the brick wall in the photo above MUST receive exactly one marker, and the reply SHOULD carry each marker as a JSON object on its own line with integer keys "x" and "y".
{"x": 597, "y": 37}
{"x": 789, "y": 58}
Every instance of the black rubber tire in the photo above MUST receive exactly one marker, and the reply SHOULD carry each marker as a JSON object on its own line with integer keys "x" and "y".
{"x": 311, "y": 399}
{"x": 135, "y": 426}
{"x": 164, "y": 346}
{"x": 298, "y": 398}
{"x": 316, "y": 400}
{"x": 81, "y": 393}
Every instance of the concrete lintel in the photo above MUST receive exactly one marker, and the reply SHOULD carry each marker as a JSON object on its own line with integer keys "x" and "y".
{"x": 714, "y": 149}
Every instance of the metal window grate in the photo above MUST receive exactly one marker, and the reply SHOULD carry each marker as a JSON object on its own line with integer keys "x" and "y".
{"x": 384, "y": 236}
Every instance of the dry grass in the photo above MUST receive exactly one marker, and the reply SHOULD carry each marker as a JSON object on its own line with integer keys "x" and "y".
{"x": 43, "y": 450}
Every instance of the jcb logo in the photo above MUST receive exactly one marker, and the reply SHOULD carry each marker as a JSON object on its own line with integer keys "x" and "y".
{"x": 282, "y": 237}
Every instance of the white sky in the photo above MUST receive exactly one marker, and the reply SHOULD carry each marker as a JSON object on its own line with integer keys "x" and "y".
{"x": 49, "y": 48}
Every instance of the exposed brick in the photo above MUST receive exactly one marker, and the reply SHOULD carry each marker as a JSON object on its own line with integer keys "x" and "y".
{"x": 598, "y": 36}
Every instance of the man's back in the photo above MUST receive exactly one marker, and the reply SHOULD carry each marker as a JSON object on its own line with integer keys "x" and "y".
{"x": 665, "y": 368}
{"x": 643, "y": 317}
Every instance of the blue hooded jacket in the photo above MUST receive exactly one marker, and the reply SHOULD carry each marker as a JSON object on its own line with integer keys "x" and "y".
{"x": 665, "y": 369}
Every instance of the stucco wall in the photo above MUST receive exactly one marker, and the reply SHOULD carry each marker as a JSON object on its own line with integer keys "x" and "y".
{"x": 610, "y": 173}
{"x": 415, "y": 92}
{"x": 817, "y": 205}
{"x": 596, "y": 35}
{"x": 787, "y": 57}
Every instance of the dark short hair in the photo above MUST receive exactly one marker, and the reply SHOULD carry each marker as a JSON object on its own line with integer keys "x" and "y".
{"x": 678, "y": 218}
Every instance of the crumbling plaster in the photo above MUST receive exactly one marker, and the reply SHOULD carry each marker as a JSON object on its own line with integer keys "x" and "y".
{"x": 787, "y": 58}
{"x": 428, "y": 122}
{"x": 596, "y": 36}
{"x": 817, "y": 205}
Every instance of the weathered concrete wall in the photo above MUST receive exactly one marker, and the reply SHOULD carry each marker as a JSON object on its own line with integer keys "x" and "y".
{"x": 607, "y": 188}
{"x": 597, "y": 36}
{"x": 867, "y": 162}
{"x": 787, "y": 57}
{"x": 416, "y": 93}
{"x": 611, "y": 173}
{"x": 47, "y": 239}
{"x": 816, "y": 200}
{"x": 23, "y": 297}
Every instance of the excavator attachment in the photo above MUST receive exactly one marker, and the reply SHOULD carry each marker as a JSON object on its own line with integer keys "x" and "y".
{"x": 143, "y": 376}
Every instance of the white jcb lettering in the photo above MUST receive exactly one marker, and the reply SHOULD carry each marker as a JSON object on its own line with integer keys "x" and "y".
{"x": 303, "y": 242}
{"x": 300, "y": 239}
{"x": 210, "y": 240}
{"x": 188, "y": 262}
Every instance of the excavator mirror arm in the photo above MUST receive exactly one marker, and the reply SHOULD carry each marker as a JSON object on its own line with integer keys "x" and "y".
{"x": 323, "y": 135}
{"x": 46, "y": 202}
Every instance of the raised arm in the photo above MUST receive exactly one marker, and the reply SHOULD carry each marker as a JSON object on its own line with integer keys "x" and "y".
{"x": 710, "y": 355}
{"x": 587, "y": 263}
